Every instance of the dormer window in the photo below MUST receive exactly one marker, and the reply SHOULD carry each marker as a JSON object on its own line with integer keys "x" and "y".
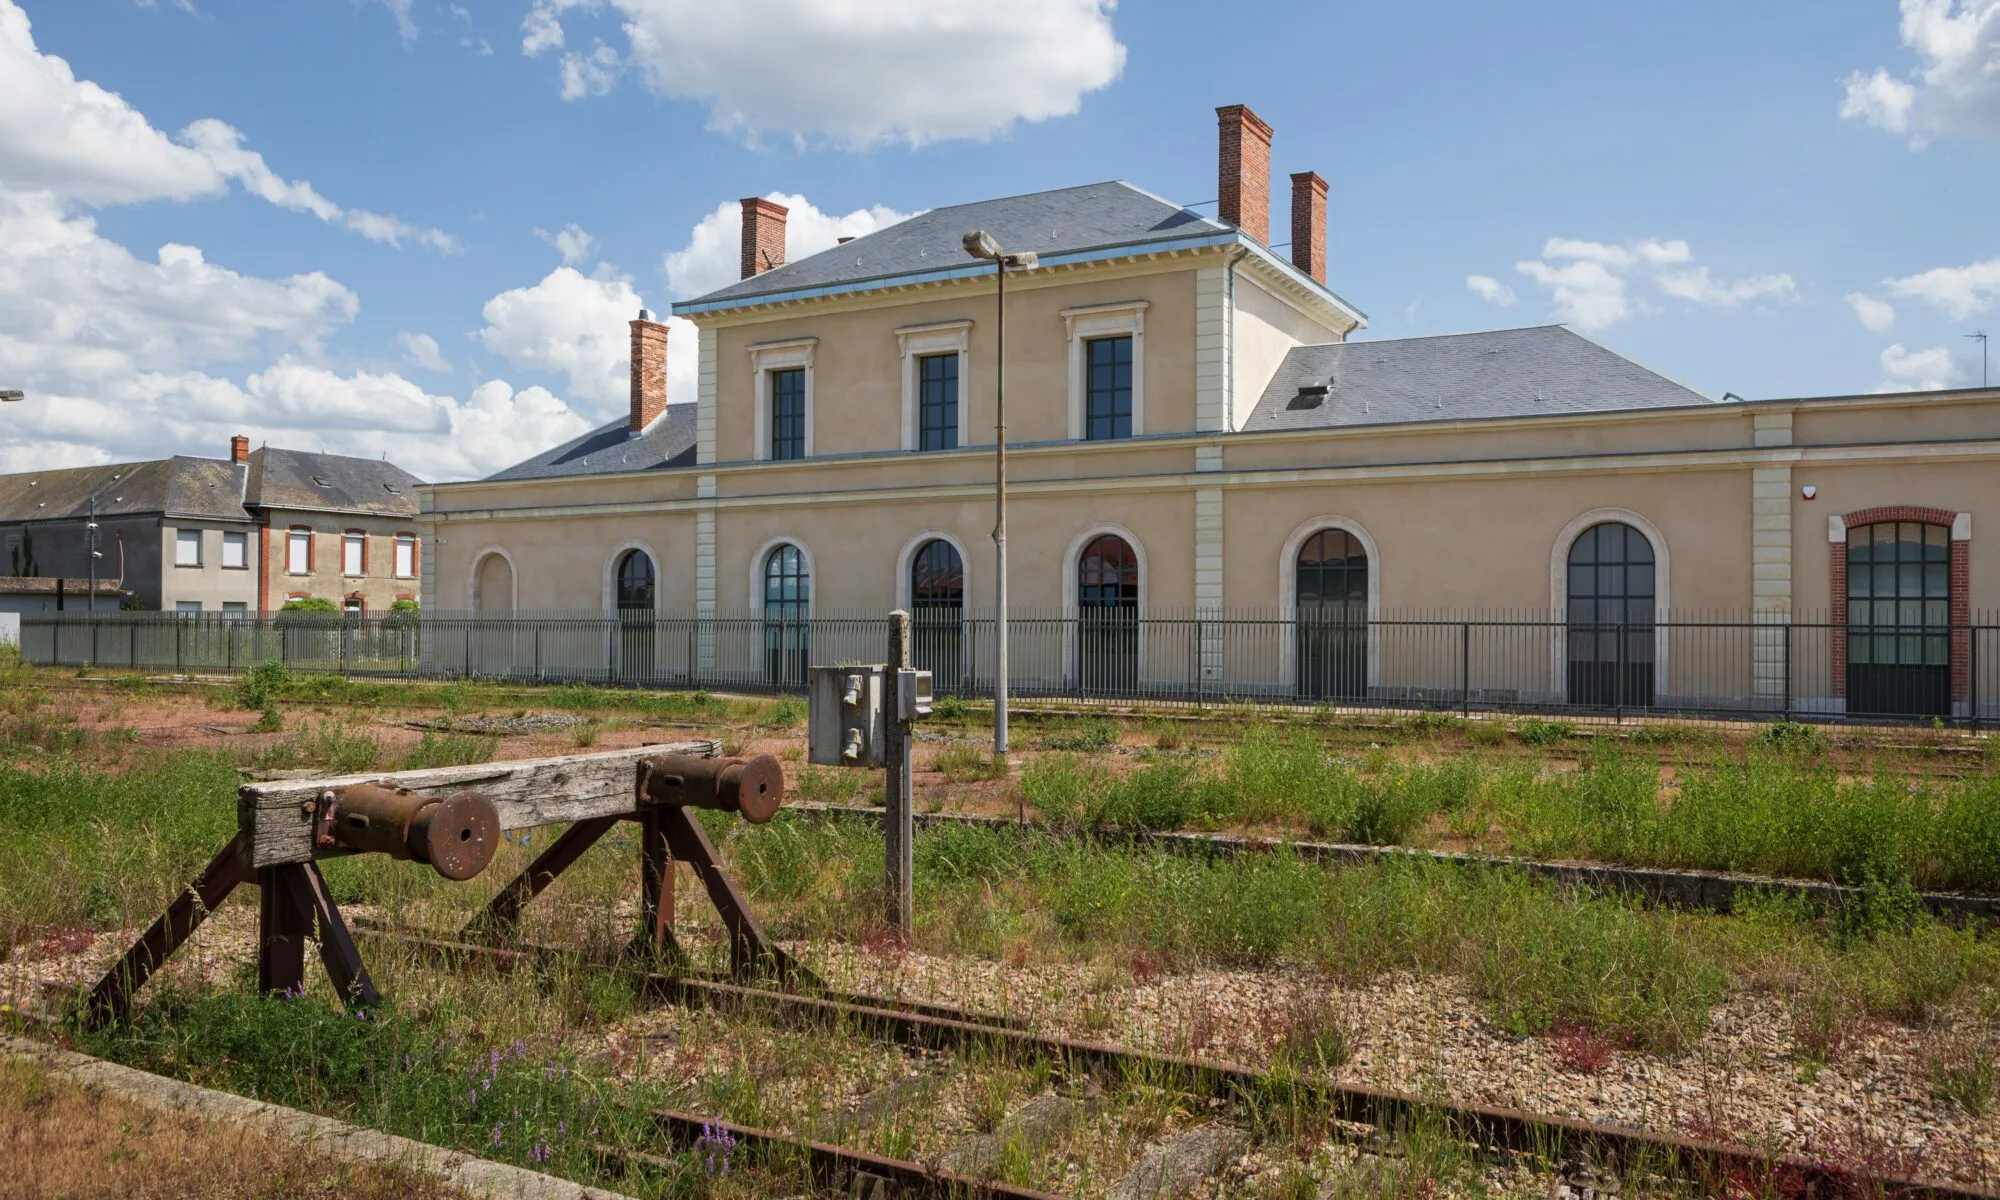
{"x": 321, "y": 482}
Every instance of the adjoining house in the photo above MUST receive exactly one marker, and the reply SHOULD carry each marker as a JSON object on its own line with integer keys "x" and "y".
{"x": 240, "y": 535}
{"x": 27, "y": 594}
{"x": 1212, "y": 486}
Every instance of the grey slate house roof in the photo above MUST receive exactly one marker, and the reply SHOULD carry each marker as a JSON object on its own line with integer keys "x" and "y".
{"x": 298, "y": 479}
{"x": 1093, "y": 216}
{"x": 667, "y": 442}
{"x": 211, "y": 489}
{"x": 1535, "y": 372}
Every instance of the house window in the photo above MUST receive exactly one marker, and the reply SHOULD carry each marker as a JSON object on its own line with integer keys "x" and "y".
{"x": 234, "y": 610}
{"x": 353, "y": 553}
{"x": 937, "y": 402}
{"x": 1899, "y": 619}
{"x": 937, "y": 604}
{"x": 406, "y": 556}
{"x": 787, "y": 609}
{"x": 1331, "y": 582}
{"x": 1611, "y": 606}
{"x": 788, "y": 413}
{"x": 1107, "y": 388}
{"x": 183, "y": 607}
{"x": 187, "y": 548}
{"x": 298, "y": 552}
{"x": 1107, "y": 602}
{"x": 235, "y": 551}
{"x": 353, "y": 605}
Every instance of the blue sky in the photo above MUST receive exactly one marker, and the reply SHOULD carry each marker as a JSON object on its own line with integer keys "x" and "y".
{"x": 417, "y": 227}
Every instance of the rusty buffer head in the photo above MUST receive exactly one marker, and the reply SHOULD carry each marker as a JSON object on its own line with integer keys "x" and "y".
{"x": 457, "y": 836}
{"x": 753, "y": 787}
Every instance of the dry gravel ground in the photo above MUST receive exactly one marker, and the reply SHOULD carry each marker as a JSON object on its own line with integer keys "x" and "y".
{"x": 64, "y": 1141}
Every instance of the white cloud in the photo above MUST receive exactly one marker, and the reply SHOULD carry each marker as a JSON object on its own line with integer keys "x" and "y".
{"x": 713, "y": 256}
{"x": 1490, "y": 290}
{"x": 847, "y": 68}
{"x": 1918, "y": 370}
{"x": 1956, "y": 90}
{"x": 73, "y": 139}
{"x": 423, "y": 351}
{"x": 592, "y": 74}
{"x": 1960, "y": 291}
{"x": 571, "y": 241}
{"x": 578, "y": 326}
{"x": 406, "y": 23}
{"x": 1590, "y": 283}
{"x": 1876, "y": 316}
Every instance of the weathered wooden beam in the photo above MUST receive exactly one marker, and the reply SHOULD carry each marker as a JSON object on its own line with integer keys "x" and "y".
{"x": 528, "y": 793}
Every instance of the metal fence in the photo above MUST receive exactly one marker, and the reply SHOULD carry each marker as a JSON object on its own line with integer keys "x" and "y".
{"x": 1709, "y": 666}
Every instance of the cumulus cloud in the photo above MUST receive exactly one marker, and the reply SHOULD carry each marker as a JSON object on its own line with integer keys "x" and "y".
{"x": 1591, "y": 283}
{"x": 1876, "y": 316}
{"x": 75, "y": 140}
{"x": 570, "y": 241}
{"x": 1918, "y": 370}
{"x": 1955, "y": 90}
{"x": 578, "y": 326}
{"x": 1960, "y": 291}
{"x": 713, "y": 256}
{"x": 423, "y": 350}
{"x": 1490, "y": 290}
{"x": 847, "y": 73}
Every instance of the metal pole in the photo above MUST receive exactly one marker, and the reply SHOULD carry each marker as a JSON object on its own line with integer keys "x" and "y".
{"x": 1465, "y": 669}
{"x": 1788, "y": 667}
{"x": 897, "y": 824}
{"x": 1000, "y": 522}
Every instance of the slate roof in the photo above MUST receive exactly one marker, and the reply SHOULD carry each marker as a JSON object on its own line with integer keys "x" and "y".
{"x": 210, "y": 488}
{"x": 300, "y": 479}
{"x": 1534, "y": 372}
{"x": 668, "y": 442}
{"x": 197, "y": 487}
{"x": 1089, "y": 217}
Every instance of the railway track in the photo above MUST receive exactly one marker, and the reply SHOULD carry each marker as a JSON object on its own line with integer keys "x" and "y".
{"x": 1507, "y": 1134}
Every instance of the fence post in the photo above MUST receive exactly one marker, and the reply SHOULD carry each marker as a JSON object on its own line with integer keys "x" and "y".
{"x": 177, "y": 647}
{"x": 898, "y": 826}
{"x": 1788, "y": 667}
{"x": 1465, "y": 670}
{"x": 229, "y": 645}
{"x": 1972, "y": 671}
{"x": 1618, "y": 684}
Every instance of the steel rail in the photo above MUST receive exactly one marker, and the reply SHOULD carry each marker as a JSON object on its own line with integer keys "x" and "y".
{"x": 1492, "y": 1129}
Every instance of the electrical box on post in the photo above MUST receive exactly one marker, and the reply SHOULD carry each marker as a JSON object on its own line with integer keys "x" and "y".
{"x": 913, "y": 694}
{"x": 844, "y": 719}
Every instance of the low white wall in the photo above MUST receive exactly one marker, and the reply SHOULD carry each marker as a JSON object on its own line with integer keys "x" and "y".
{"x": 10, "y": 629}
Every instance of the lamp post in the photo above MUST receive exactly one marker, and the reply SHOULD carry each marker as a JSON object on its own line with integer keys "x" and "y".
{"x": 980, "y": 244}
{"x": 10, "y": 395}
{"x": 1980, "y": 337}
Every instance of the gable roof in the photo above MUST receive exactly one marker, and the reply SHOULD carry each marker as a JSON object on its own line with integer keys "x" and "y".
{"x": 609, "y": 449}
{"x": 301, "y": 479}
{"x": 1539, "y": 371}
{"x": 1066, "y": 220}
{"x": 195, "y": 487}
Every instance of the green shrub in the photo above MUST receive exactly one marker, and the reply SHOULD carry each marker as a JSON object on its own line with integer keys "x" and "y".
{"x": 1790, "y": 737}
{"x": 786, "y": 712}
{"x": 1094, "y": 733}
{"x": 1536, "y": 731}
{"x": 1064, "y": 788}
{"x": 260, "y": 685}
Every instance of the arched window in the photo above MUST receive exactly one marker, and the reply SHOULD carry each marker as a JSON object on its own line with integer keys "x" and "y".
{"x": 635, "y": 581}
{"x": 937, "y": 611}
{"x": 1610, "y": 604}
{"x": 636, "y": 591}
{"x": 1332, "y": 599}
{"x": 1899, "y": 619}
{"x": 1107, "y": 606}
{"x": 787, "y": 607}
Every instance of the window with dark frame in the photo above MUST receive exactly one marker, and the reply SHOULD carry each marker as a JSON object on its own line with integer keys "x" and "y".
{"x": 937, "y": 402}
{"x": 788, "y": 413}
{"x": 1107, "y": 390}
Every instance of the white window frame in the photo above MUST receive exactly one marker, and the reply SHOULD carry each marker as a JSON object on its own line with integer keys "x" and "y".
{"x": 298, "y": 545}
{"x": 241, "y": 541}
{"x": 766, "y": 357}
{"x": 356, "y": 545}
{"x": 923, "y": 341}
{"x": 406, "y": 551}
{"x": 187, "y": 537}
{"x": 1091, "y": 321}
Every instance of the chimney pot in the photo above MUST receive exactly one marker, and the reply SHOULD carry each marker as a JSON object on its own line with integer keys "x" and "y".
{"x": 763, "y": 235}
{"x": 649, "y": 371}
{"x": 239, "y": 449}
{"x": 1243, "y": 171}
{"x": 1309, "y": 224}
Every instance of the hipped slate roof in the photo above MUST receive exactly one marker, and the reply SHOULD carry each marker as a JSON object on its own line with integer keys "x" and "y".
{"x": 1535, "y": 372}
{"x": 1069, "y": 219}
{"x": 211, "y": 489}
{"x": 667, "y": 442}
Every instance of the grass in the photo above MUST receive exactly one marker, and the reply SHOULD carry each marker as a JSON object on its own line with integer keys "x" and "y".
{"x": 967, "y": 764}
{"x": 437, "y": 749}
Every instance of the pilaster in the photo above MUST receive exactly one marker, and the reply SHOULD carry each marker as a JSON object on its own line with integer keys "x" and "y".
{"x": 1211, "y": 349}
{"x": 1771, "y": 559}
{"x": 1208, "y": 575}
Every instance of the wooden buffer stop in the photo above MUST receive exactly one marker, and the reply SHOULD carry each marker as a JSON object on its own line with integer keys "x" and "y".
{"x": 452, "y": 818}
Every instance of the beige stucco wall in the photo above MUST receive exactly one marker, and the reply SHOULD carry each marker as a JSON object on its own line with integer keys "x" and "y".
{"x": 210, "y": 584}
{"x": 1266, "y": 329}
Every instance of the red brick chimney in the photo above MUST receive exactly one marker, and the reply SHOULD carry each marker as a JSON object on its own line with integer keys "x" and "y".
{"x": 649, "y": 371}
{"x": 1309, "y": 224}
{"x": 1243, "y": 171}
{"x": 763, "y": 235}
{"x": 239, "y": 449}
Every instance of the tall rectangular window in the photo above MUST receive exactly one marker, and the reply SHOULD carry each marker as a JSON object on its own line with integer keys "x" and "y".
{"x": 788, "y": 413}
{"x": 187, "y": 548}
{"x": 1107, "y": 388}
{"x": 406, "y": 556}
{"x": 353, "y": 553}
{"x": 235, "y": 551}
{"x": 298, "y": 552}
{"x": 937, "y": 402}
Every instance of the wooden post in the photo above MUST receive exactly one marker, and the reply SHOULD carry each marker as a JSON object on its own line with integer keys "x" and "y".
{"x": 897, "y": 824}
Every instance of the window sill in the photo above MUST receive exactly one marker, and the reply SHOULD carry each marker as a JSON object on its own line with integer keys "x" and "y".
{"x": 187, "y": 566}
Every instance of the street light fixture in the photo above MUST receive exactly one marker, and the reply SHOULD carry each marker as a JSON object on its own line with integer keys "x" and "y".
{"x": 10, "y": 395}
{"x": 980, "y": 244}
